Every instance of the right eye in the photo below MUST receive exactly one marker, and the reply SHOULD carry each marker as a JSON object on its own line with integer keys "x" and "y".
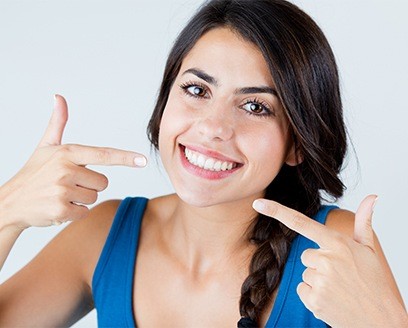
{"x": 195, "y": 90}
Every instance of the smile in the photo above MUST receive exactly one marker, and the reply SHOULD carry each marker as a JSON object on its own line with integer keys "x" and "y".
{"x": 207, "y": 163}
{"x": 211, "y": 165}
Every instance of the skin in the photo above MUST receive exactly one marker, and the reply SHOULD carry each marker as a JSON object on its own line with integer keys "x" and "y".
{"x": 192, "y": 244}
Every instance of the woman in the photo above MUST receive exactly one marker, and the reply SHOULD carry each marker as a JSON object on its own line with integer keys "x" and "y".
{"x": 241, "y": 73}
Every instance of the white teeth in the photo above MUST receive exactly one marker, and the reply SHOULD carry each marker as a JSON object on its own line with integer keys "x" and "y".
{"x": 217, "y": 166}
{"x": 207, "y": 163}
{"x": 200, "y": 161}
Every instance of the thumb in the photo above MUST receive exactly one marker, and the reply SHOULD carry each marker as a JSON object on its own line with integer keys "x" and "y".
{"x": 363, "y": 230}
{"x": 55, "y": 129}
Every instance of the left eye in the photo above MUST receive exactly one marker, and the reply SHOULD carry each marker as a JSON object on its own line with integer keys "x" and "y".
{"x": 255, "y": 108}
{"x": 196, "y": 90}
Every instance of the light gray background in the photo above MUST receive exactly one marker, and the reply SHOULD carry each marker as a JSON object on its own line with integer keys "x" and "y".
{"x": 107, "y": 57}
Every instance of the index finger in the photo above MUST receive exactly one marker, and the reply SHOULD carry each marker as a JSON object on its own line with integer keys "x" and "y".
{"x": 296, "y": 221}
{"x": 88, "y": 155}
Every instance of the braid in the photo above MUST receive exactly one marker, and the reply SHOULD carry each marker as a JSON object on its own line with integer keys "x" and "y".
{"x": 267, "y": 263}
{"x": 273, "y": 240}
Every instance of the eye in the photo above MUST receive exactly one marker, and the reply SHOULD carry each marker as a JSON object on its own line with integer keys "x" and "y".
{"x": 195, "y": 90}
{"x": 255, "y": 107}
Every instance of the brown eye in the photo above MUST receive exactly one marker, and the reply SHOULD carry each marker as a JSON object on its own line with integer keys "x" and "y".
{"x": 254, "y": 107}
{"x": 257, "y": 108}
{"x": 197, "y": 91}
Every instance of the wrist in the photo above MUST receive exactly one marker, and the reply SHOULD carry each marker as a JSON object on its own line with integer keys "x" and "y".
{"x": 395, "y": 314}
{"x": 6, "y": 222}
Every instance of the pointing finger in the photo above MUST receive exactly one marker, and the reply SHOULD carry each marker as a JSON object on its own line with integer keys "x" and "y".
{"x": 363, "y": 230}
{"x": 55, "y": 129}
{"x": 87, "y": 155}
{"x": 296, "y": 221}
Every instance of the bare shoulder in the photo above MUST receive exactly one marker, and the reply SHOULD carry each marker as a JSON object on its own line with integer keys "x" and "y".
{"x": 341, "y": 220}
{"x": 53, "y": 289}
{"x": 91, "y": 234}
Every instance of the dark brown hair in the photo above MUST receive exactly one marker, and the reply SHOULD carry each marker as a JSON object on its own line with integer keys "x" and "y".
{"x": 304, "y": 70}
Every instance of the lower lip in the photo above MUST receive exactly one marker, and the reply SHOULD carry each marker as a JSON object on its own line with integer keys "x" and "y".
{"x": 200, "y": 172}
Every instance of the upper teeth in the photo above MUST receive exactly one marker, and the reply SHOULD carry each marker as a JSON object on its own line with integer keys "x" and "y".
{"x": 207, "y": 163}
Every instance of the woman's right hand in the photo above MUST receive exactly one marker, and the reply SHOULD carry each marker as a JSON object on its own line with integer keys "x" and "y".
{"x": 55, "y": 186}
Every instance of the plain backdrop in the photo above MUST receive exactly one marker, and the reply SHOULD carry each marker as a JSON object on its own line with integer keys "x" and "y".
{"x": 107, "y": 58}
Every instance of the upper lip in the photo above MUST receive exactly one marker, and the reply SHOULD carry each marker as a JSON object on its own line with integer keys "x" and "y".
{"x": 210, "y": 153}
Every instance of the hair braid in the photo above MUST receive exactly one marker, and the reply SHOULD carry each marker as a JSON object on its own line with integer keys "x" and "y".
{"x": 266, "y": 266}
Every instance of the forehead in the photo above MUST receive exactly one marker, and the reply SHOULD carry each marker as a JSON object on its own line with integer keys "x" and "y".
{"x": 226, "y": 55}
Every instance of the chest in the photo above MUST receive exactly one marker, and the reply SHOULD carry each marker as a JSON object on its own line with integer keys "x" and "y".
{"x": 164, "y": 295}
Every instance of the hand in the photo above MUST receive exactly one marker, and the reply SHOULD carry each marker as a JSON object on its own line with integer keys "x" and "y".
{"x": 54, "y": 185}
{"x": 344, "y": 283}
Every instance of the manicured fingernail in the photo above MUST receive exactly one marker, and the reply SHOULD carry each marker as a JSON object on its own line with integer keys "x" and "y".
{"x": 374, "y": 203}
{"x": 258, "y": 205}
{"x": 140, "y": 161}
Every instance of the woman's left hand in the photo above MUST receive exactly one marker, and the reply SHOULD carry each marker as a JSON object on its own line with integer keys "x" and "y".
{"x": 344, "y": 283}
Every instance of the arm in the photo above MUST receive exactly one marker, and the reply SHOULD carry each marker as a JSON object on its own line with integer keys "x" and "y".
{"x": 53, "y": 290}
{"x": 347, "y": 282}
{"x": 8, "y": 236}
{"x": 54, "y": 185}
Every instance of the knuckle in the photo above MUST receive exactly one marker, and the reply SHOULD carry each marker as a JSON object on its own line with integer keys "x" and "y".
{"x": 124, "y": 159}
{"x": 83, "y": 212}
{"x": 325, "y": 263}
{"x": 61, "y": 193}
{"x": 304, "y": 275}
{"x": 298, "y": 222}
{"x": 63, "y": 151}
{"x": 62, "y": 174}
{"x": 104, "y": 182}
{"x": 339, "y": 240}
{"x": 93, "y": 197}
{"x": 305, "y": 256}
{"x": 103, "y": 155}
{"x": 58, "y": 211}
{"x": 315, "y": 304}
{"x": 272, "y": 209}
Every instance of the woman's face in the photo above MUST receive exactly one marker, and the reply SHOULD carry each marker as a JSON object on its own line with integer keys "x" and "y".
{"x": 223, "y": 134}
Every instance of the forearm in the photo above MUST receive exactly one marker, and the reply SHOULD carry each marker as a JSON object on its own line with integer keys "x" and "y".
{"x": 8, "y": 236}
{"x": 396, "y": 314}
{"x": 8, "y": 233}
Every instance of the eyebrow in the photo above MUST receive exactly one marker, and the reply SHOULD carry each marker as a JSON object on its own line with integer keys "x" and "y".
{"x": 213, "y": 81}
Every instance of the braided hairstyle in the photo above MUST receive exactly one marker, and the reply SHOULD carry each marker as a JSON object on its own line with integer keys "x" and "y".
{"x": 305, "y": 73}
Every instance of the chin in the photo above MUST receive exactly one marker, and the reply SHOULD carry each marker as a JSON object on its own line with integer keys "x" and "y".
{"x": 197, "y": 199}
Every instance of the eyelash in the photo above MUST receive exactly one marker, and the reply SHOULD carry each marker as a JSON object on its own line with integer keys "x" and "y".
{"x": 268, "y": 112}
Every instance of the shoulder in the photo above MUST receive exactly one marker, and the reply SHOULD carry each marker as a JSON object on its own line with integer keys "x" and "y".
{"x": 89, "y": 235}
{"x": 341, "y": 220}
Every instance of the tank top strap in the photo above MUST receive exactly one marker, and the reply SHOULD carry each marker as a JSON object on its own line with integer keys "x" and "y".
{"x": 289, "y": 310}
{"x": 112, "y": 282}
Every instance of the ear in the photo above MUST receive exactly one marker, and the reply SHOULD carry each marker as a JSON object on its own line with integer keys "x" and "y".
{"x": 294, "y": 156}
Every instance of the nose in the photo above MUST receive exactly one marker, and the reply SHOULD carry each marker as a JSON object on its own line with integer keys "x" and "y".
{"x": 216, "y": 125}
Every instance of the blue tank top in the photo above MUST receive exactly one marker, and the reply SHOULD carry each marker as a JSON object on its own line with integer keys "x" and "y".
{"x": 113, "y": 279}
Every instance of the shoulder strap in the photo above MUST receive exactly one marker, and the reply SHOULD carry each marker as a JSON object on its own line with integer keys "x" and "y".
{"x": 288, "y": 310}
{"x": 112, "y": 283}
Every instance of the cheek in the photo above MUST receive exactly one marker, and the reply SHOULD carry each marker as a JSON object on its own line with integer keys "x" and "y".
{"x": 266, "y": 149}
{"x": 173, "y": 123}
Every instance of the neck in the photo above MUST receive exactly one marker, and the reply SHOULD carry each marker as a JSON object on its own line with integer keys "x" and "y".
{"x": 206, "y": 239}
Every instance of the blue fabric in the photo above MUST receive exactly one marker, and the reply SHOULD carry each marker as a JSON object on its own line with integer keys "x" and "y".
{"x": 112, "y": 283}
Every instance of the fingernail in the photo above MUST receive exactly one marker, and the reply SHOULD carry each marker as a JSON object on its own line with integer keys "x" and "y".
{"x": 374, "y": 203}
{"x": 140, "y": 161}
{"x": 258, "y": 205}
